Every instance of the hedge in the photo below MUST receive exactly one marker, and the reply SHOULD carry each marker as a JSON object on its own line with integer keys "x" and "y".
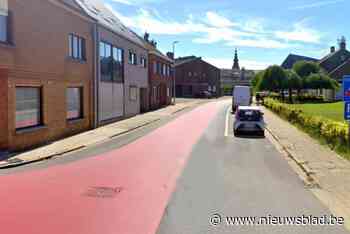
{"x": 334, "y": 133}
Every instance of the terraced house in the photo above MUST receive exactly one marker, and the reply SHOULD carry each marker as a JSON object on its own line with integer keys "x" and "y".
{"x": 46, "y": 71}
{"x": 121, "y": 83}
{"x": 160, "y": 77}
{"x": 65, "y": 66}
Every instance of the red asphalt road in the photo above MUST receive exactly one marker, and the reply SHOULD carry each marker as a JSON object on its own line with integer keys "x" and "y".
{"x": 54, "y": 200}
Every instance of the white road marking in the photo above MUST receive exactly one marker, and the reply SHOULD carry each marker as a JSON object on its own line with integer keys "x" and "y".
{"x": 228, "y": 112}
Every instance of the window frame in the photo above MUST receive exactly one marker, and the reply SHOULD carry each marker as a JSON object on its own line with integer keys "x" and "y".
{"x": 40, "y": 111}
{"x": 78, "y": 53}
{"x": 132, "y": 58}
{"x": 81, "y": 102}
{"x": 131, "y": 98}
{"x": 112, "y": 63}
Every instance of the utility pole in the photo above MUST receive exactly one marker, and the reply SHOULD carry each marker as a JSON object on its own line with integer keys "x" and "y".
{"x": 174, "y": 83}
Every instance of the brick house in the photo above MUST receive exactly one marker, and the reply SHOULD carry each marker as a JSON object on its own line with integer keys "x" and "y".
{"x": 194, "y": 75}
{"x": 46, "y": 70}
{"x": 160, "y": 77}
{"x": 121, "y": 84}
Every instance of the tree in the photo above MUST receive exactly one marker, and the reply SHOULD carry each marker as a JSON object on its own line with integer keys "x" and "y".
{"x": 321, "y": 81}
{"x": 306, "y": 68}
{"x": 256, "y": 80}
{"x": 273, "y": 79}
{"x": 293, "y": 82}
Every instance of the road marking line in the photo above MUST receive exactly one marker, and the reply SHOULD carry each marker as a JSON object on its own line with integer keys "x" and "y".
{"x": 228, "y": 112}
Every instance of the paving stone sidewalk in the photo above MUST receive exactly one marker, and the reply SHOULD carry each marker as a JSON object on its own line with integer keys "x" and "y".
{"x": 327, "y": 168}
{"x": 95, "y": 136}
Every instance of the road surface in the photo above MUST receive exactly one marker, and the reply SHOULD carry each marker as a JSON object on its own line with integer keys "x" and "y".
{"x": 169, "y": 180}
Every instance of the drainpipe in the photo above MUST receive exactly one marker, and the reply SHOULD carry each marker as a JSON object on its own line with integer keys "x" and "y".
{"x": 96, "y": 40}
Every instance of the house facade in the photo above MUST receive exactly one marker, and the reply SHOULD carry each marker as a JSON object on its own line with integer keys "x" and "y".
{"x": 121, "y": 83}
{"x": 194, "y": 75}
{"x": 160, "y": 78}
{"x": 46, "y": 70}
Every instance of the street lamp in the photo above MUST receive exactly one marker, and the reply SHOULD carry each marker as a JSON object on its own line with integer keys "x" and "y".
{"x": 174, "y": 83}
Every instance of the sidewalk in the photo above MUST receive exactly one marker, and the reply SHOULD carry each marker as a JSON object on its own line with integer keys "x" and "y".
{"x": 325, "y": 167}
{"x": 96, "y": 136}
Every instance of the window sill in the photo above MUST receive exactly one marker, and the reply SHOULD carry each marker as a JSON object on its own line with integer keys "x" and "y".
{"x": 30, "y": 129}
{"x": 76, "y": 60}
{"x": 75, "y": 121}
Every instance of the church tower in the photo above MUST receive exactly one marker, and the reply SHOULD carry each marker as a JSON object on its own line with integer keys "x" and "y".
{"x": 235, "y": 61}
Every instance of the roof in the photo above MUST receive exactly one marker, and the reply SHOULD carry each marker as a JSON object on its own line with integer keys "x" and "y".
{"x": 293, "y": 58}
{"x": 334, "y": 60}
{"x": 182, "y": 60}
{"x": 98, "y": 11}
{"x": 342, "y": 70}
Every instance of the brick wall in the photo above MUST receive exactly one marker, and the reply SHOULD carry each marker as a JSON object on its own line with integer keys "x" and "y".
{"x": 40, "y": 58}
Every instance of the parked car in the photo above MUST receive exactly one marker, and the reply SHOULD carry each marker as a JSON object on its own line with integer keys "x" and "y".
{"x": 204, "y": 94}
{"x": 241, "y": 96}
{"x": 249, "y": 119}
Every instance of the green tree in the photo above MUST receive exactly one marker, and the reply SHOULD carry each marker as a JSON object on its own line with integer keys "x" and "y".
{"x": 256, "y": 80}
{"x": 293, "y": 82}
{"x": 273, "y": 79}
{"x": 306, "y": 68}
{"x": 321, "y": 81}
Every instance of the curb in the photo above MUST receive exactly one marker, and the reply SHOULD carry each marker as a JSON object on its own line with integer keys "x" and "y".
{"x": 311, "y": 180}
{"x": 50, "y": 156}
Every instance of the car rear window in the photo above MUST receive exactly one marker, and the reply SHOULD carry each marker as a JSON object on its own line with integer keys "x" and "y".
{"x": 249, "y": 115}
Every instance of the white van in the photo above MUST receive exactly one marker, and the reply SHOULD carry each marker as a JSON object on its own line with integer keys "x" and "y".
{"x": 241, "y": 96}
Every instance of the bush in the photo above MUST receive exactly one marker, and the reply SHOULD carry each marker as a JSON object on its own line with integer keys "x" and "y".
{"x": 332, "y": 132}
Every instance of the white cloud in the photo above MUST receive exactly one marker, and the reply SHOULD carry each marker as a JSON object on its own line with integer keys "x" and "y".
{"x": 218, "y": 20}
{"x": 259, "y": 43}
{"x": 227, "y": 63}
{"x": 215, "y": 28}
{"x": 316, "y": 4}
{"x": 300, "y": 33}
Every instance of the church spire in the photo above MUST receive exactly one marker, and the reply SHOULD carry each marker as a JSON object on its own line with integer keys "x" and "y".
{"x": 236, "y": 61}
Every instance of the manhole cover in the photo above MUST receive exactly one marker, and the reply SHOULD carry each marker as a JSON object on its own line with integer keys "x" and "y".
{"x": 103, "y": 192}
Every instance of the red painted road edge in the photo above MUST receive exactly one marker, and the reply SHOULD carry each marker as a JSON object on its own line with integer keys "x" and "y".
{"x": 54, "y": 200}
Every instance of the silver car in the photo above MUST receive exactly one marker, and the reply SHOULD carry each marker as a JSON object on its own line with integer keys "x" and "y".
{"x": 250, "y": 120}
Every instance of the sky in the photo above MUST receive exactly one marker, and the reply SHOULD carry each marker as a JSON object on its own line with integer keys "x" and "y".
{"x": 264, "y": 32}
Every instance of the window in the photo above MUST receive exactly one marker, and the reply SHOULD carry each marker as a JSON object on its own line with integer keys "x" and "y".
{"x": 143, "y": 62}
{"x": 118, "y": 70}
{"x": 3, "y": 21}
{"x": 154, "y": 67}
{"x": 190, "y": 74}
{"x": 112, "y": 63}
{"x": 168, "y": 92}
{"x": 132, "y": 58}
{"x": 77, "y": 47}
{"x": 74, "y": 103}
{"x": 28, "y": 107}
{"x": 158, "y": 68}
{"x": 164, "y": 69}
{"x": 133, "y": 93}
{"x": 168, "y": 70}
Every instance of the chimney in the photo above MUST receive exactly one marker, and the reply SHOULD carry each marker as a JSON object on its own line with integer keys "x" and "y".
{"x": 170, "y": 55}
{"x": 342, "y": 43}
{"x": 332, "y": 49}
{"x": 146, "y": 36}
